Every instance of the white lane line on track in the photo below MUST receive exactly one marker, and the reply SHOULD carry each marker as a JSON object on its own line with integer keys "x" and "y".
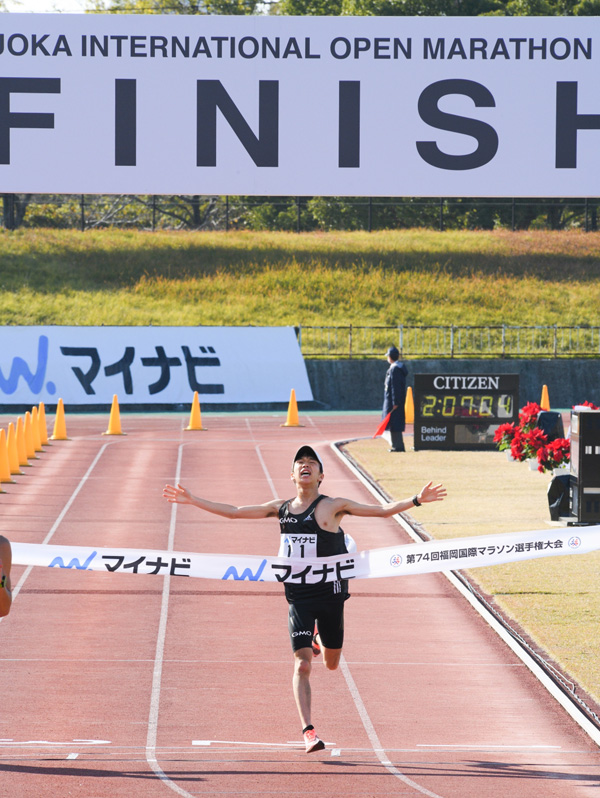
{"x": 159, "y": 658}
{"x": 477, "y": 746}
{"x": 198, "y": 661}
{"x": 372, "y": 734}
{"x": 53, "y": 743}
{"x": 243, "y": 742}
{"x": 266, "y": 471}
{"x": 61, "y": 515}
{"x": 261, "y": 460}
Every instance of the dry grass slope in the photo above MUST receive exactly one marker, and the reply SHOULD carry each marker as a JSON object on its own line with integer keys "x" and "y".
{"x": 241, "y": 278}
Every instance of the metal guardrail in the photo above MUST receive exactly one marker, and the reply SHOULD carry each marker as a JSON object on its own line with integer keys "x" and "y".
{"x": 450, "y": 341}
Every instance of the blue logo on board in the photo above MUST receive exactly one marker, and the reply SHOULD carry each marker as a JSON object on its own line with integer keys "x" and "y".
{"x": 59, "y": 562}
{"x": 34, "y": 379}
{"x": 232, "y": 572}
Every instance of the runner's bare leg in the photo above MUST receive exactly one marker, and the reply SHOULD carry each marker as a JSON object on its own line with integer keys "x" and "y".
{"x": 301, "y": 683}
{"x": 331, "y": 657}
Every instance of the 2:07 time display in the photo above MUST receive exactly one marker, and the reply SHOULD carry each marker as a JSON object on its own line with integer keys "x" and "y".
{"x": 467, "y": 406}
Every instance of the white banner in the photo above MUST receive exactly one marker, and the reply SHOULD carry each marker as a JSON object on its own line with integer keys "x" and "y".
{"x": 150, "y": 365}
{"x": 373, "y": 106}
{"x": 403, "y": 560}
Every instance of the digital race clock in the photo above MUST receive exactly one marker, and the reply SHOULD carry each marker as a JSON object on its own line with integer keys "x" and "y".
{"x": 463, "y": 411}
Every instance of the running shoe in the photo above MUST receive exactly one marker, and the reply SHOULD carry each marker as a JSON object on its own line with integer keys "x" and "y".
{"x": 312, "y": 742}
{"x": 315, "y": 646}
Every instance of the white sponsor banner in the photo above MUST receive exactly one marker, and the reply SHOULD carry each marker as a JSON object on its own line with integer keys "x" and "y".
{"x": 150, "y": 365}
{"x": 403, "y": 560}
{"x": 397, "y": 106}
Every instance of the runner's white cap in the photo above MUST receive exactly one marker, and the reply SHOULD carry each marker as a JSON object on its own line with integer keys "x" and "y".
{"x": 308, "y": 451}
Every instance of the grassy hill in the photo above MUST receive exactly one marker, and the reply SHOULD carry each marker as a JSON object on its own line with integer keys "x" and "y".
{"x": 390, "y": 277}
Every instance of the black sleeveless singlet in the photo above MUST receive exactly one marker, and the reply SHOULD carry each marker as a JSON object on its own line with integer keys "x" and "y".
{"x": 301, "y": 536}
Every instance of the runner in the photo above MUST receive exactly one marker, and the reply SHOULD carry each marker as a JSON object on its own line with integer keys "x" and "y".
{"x": 5, "y": 585}
{"x": 310, "y": 527}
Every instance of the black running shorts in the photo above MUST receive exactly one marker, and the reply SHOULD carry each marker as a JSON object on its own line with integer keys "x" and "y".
{"x": 328, "y": 616}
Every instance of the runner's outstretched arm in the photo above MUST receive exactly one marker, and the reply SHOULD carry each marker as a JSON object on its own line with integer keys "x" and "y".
{"x": 430, "y": 493}
{"x": 181, "y": 495}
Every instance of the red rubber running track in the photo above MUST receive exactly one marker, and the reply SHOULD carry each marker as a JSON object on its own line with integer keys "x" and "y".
{"x": 120, "y": 685}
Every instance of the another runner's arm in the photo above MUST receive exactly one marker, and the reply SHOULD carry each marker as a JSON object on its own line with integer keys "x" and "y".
{"x": 181, "y": 495}
{"x": 5, "y": 585}
{"x": 430, "y": 493}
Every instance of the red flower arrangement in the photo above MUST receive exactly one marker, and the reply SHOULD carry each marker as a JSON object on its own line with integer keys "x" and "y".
{"x": 504, "y": 436}
{"x": 528, "y": 442}
{"x": 533, "y": 440}
{"x": 555, "y": 454}
{"x": 516, "y": 446}
{"x": 524, "y": 440}
{"x": 591, "y": 405}
{"x": 528, "y": 415}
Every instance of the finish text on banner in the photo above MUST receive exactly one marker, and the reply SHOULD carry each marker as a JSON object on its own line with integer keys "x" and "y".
{"x": 273, "y": 105}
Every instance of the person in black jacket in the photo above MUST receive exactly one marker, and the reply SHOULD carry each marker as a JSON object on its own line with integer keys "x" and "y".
{"x": 310, "y": 527}
{"x": 394, "y": 397}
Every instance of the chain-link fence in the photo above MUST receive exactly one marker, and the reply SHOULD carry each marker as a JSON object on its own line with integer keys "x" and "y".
{"x": 299, "y": 214}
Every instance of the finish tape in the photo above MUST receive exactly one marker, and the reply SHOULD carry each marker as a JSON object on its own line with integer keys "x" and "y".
{"x": 400, "y": 560}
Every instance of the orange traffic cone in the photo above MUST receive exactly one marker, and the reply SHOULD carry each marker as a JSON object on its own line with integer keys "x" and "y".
{"x": 29, "y": 441}
{"x": 42, "y": 424}
{"x": 4, "y": 464}
{"x": 545, "y": 400}
{"x": 292, "y": 414}
{"x": 409, "y": 407}
{"x": 195, "y": 415}
{"x": 13, "y": 450}
{"x": 21, "y": 445}
{"x": 60, "y": 425}
{"x": 35, "y": 429}
{"x": 114, "y": 422}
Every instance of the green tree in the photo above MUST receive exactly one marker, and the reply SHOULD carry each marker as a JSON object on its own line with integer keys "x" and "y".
{"x": 231, "y": 7}
{"x": 14, "y": 207}
{"x": 587, "y": 8}
{"x": 309, "y": 8}
{"x": 421, "y": 8}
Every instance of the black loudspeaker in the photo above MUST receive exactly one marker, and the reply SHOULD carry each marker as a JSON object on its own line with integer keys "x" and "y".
{"x": 585, "y": 465}
{"x": 558, "y": 497}
{"x": 551, "y": 424}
